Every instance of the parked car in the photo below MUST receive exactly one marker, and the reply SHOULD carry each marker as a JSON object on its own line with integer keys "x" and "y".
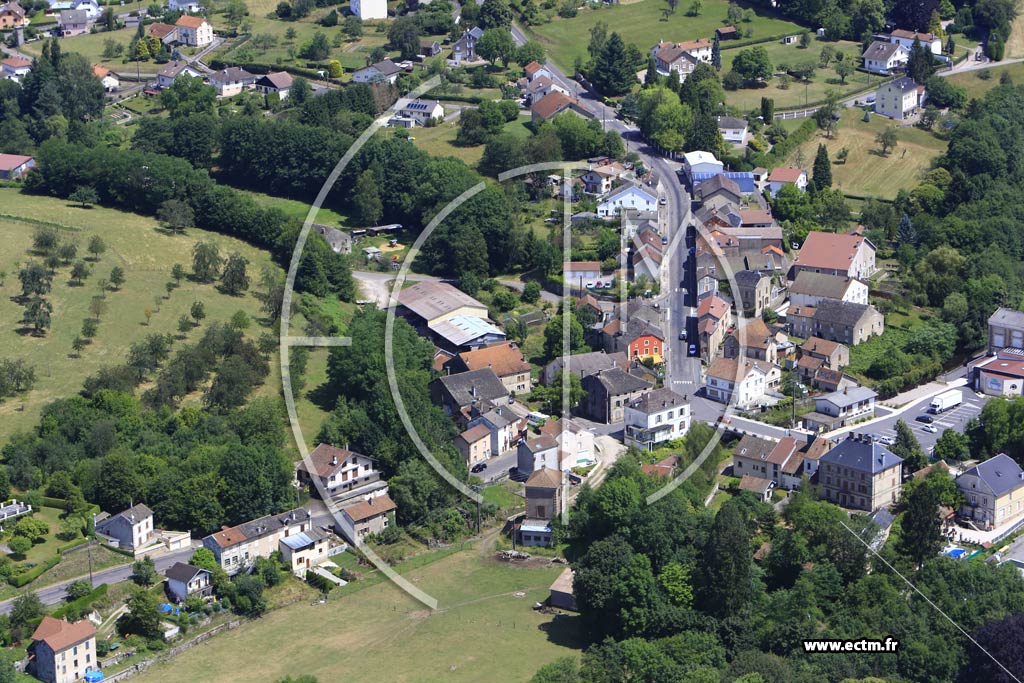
{"x": 932, "y": 429}
{"x": 479, "y": 467}
{"x": 927, "y": 419}
{"x": 682, "y": 334}
{"x": 887, "y": 441}
{"x": 693, "y": 349}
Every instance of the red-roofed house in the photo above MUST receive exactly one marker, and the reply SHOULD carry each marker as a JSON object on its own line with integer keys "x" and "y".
{"x": 553, "y": 104}
{"x": 713, "y": 319}
{"x": 15, "y": 68}
{"x": 534, "y": 70}
{"x": 825, "y": 252}
{"x": 194, "y": 31}
{"x": 13, "y": 166}
{"x": 785, "y": 176}
{"x": 63, "y": 651}
{"x": 359, "y": 520}
{"x": 474, "y": 444}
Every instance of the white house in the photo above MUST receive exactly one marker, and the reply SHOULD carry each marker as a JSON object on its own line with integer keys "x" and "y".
{"x": 107, "y": 77}
{"x": 834, "y": 254}
{"x": 279, "y": 82}
{"x": 194, "y": 31}
{"x": 848, "y": 405}
{"x": 736, "y": 381}
{"x": 188, "y": 6}
{"x": 232, "y": 81}
{"x": 575, "y": 442}
{"x": 577, "y": 272}
{"x": 906, "y": 39}
{"x": 535, "y": 70}
{"x": 810, "y": 288}
{"x": 422, "y": 111}
{"x": 785, "y": 176}
{"x": 733, "y": 129}
{"x": 635, "y": 197}
{"x": 170, "y": 73}
{"x": 369, "y": 9}
{"x": 702, "y": 162}
{"x": 15, "y": 68}
{"x": 378, "y": 73}
{"x": 599, "y": 179}
{"x": 700, "y": 49}
{"x": 90, "y": 7}
{"x": 671, "y": 58}
{"x": 73, "y": 22}
{"x": 184, "y": 581}
{"x": 656, "y": 417}
{"x": 898, "y": 99}
{"x": 132, "y": 528}
{"x": 883, "y": 57}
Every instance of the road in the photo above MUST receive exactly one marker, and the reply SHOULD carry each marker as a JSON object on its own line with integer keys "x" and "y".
{"x": 55, "y": 593}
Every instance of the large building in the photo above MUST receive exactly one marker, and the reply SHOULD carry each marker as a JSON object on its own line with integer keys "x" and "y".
{"x": 505, "y": 359}
{"x": 434, "y": 302}
{"x": 834, "y": 254}
{"x": 860, "y": 473}
{"x": 236, "y": 548}
{"x": 656, "y": 417}
{"x": 369, "y": 9}
{"x": 609, "y": 392}
{"x": 63, "y": 651}
{"x": 993, "y": 492}
{"x": 1005, "y": 329}
{"x": 340, "y": 474}
{"x": 132, "y": 528}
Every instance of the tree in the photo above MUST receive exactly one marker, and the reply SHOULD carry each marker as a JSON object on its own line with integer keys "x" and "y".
{"x": 727, "y": 563}
{"x": 844, "y": 68}
{"x": 144, "y": 615}
{"x": 144, "y": 572}
{"x": 716, "y": 54}
{"x": 551, "y": 396}
{"x": 188, "y": 96}
{"x": 367, "y": 202}
{"x": 79, "y": 272}
{"x": 84, "y": 196}
{"x": 178, "y": 273}
{"x": 404, "y": 36}
{"x": 89, "y": 328}
{"x": 67, "y": 252}
{"x": 919, "y": 63}
{"x": 920, "y": 527}
{"x": 553, "y": 337}
{"x": 27, "y": 608}
{"x": 176, "y": 215}
{"x": 116, "y": 277}
{"x": 77, "y": 345}
{"x": 887, "y": 140}
{"x": 206, "y": 261}
{"x": 352, "y": 27}
{"x": 767, "y": 110}
{"x": 952, "y": 446}
{"x": 96, "y": 247}
{"x": 753, "y": 64}
{"x": 495, "y": 14}
{"x": 77, "y": 590}
{"x": 148, "y": 313}
{"x": 97, "y": 306}
{"x": 35, "y": 279}
{"x": 318, "y": 47}
{"x": 198, "y": 311}
{"x": 531, "y": 292}
{"x": 907, "y": 448}
{"x": 696, "y": 7}
{"x": 235, "y": 279}
{"x": 495, "y": 44}
{"x": 19, "y": 545}
{"x": 998, "y": 646}
{"x": 530, "y": 51}
{"x": 613, "y": 72}
{"x": 821, "y": 177}
{"x": 37, "y": 314}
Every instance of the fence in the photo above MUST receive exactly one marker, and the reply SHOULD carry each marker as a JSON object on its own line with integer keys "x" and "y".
{"x": 139, "y": 667}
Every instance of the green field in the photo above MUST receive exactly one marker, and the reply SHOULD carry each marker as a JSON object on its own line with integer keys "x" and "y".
{"x": 977, "y": 86}
{"x": 439, "y": 141}
{"x": 146, "y": 253}
{"x": 641, "y": 23}
{"x": 866, "y": 172}
{"x": 481, "y": 632}
{"x": 90, "y": 46}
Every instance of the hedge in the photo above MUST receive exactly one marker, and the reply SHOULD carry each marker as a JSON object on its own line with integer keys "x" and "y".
{"x": 783, "y": 149}
{"x": 24, "y": 578}
{"x": 79, "y": 605}
{"x": 747, "y": 42}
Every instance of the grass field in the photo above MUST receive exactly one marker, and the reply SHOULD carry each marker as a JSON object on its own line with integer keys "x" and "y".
{"x": 482, "y": 631}
{"x": 866, "y": 172}
{"x": 439, "y": 141}
{"x": 90, "y": 46}
{"x": 977, "y": 87}
{"x": 1015, "y": 43}
{"x": 146, "y": 253}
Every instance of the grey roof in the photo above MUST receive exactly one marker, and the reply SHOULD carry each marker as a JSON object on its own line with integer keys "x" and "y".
{"x": 617, "y": 381}
{"x": 497, "y": 418}
{"x": 839, "y": 312}
{"x": 1001, "y": 473}
{"x": 626, "y": 189}
{"x": 731, "y": 122}
{"x": 719, "y": 182}
{"x": 658, "y": 400}
{"x": 280, "y": 80}
{"x": 583, "y": 364}
{"x": 467, "y": 387}
{"x": 430, "y": 300}
{"x": 1007, "y": 316}
{"x": 258, "y": 528}
{"x": 881, "y": 50}
{"x": 73, "y": 16}
{"x": 883, "y": 518}
{"x": 131, "y": 515}
{"x": 862, "y": 455}
{"x": 303, "y": 539}
{"x": 904, "y": 84}
{"x": 751, "y": 446}
{"x": 386, "y": 67}
{"x": 232, "y": 74}
{"x": 848, "y": 397}
{"x": 179, "y": 571}
{"x": 821, "y": 284}
{"x": 749, "y": 278}
{"x": 543, "y": 442}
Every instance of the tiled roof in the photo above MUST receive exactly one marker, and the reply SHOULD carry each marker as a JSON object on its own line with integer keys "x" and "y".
{"x": 60, "y": 634}
{"x": 467, "y": 387}
{"x": 824, "y": 285}
{"x": 882, "y": 51}
{"x": 840, "y": 312}
{"x": 16, "y": 62}
{"x": 820, "y": 346}
{"x": 179, "y": 571}
{"x": 713, "y": 306}
{"x": 753, "y": 447}
{"x": 187, "y": 21}
{"x": 546, "y": 478}
{"x": 9, "y": 162}
{"x": 755, "y": 484}
{"x": 617, "y": 382}
{"x": 474, "y": 434}
{"x": 504, "y": 359}
{"x": 364, "y": 510}
{"x": 785, "y": 175}
{"x": 326, "y": 459}
{"x": 829, "y": 251}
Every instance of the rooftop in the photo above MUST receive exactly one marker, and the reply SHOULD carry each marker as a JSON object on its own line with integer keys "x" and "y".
{"x": 505, "y": 359}
{"x": 822, "y": 284}
{"x": 1007, "y": 317}
{"x": 616, "y": 381}
{"x": 364, "y": 510}
{"x": 179, "y": 571}
{"x": 462, "y": 329}
{"x": 849, "y": 396}
{"x": 476, "y": 385}
{"x": 546, "y": 478}
{"x": 830, "y": 251}
{"x": 431, "y": 300}
{"x": 840, "y": 312}
{"x": 658, "y": 400}
{"x": 60, "y": 634}
{"x": 474, "y": 434}
{"x": 862, "y": 454}
{"x": 785, "y": 175}
{"x": 9, "y": 162}
{"x": 187, "y": 21}
{"x": 1001, "y": 473}
{"x": 325, "y": 459}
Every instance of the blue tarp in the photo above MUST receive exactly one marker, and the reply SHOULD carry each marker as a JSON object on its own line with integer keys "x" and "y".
{"x": 956, "y": 553}
{"x": 94, "y": 676}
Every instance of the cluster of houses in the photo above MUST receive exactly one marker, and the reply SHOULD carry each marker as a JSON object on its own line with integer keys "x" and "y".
{"x": 229, "y": 81}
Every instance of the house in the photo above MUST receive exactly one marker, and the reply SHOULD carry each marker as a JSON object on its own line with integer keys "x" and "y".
{"x": 539, "y": 87}
{"x": 456, "y": 393}
{"x": 727, "y": 33}
{"x": 236, "y": 548}
{"x": 581, "y": 273}
{"x": 535, "y": 70}
{"x": 132, "y": 528}
{"x": 90, "y": 7}
{"x": 503, "y": 426}
{"x": 740, "y": 382}
{"x": 719, "y": 185}
{"x": 998, "y": 375}
{"x": 381, "y": 72}
{"x": 72, "y": 22}
{"x": 369, "y": 9}
{"x": 627, "y": 197}
{"x": 883, "y": 57}
{"x": 505, "y": 359}
{"x": 474, "y": 444}
{"x": 733, "y": 129}
{"x": 601, "y": 178}
{"x": 647, "y": 254}
{"x": 993, "y": 491}
{"x": 232, "y": 81}
{"x": 849, "y": 324}
{"x": 422, "y": 112}
{"x": 365, "y": 518}
{"x": 464, "y": 49}
{"x": 583, "y": 364}
{"x": 537, "y": 453}
{"x": 339, "y": 241}
{"x": 897, "y": 99}
{"x": 786, "y": 176}
{"x": 756, "y": 341}
{"x": 841, "y": 409}
{"x": 543, "y": 503}
{"x": 638, "y": 337}
{"x": 750, "y": 457}
{"x": 186, "y": 6}
{"x": 754, "y": 292}
{"x": 175, "y": 70}
{"x": 756, "y": 218}
{"x": 1005, "y": 329}
{"x": 907, "y": 38}
{"x": 553, "y": 104}
{"x": 107, "y": 77}
{"x": 561, "y": 596}
{"x": 340, "y": 474}
{"x": 588, "y": 303}
{"x": 663, "y": 468}
{"x": 15, "y": 68}
{"x": 194, "y": 31}
{"x": 429, "y": 48}
{"x": 279, "y": 82}
{"x": 817, "y": 354}
{"x": 860, "y": 473}
{"x": 670, "y": 58}
{"x": 701, "y": 162}
{"x": 304, "y": 550}
{"x": 834, "y": 254}
{"x": 608, "y": 392}
{"x": 810, "y": 288}
{"x": 165, "y": 33}
{"x": 657, "y": 416}
{"x": 12, "y": 15}
{"x": 762, "y": 488}
{"x": 432, "y": 302}
{"x": 63, "y": 651}
{"x": 14, "y": 166}
{"x": 700, "y": 49}
{"x": 713, "y": 319}
{"x": 575, "y": 442}
{"x": 184, "y": 580}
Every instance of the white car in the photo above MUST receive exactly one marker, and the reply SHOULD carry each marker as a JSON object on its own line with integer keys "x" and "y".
{"x": 931, "y": 429}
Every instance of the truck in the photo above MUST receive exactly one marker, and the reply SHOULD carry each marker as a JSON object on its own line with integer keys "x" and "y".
{"x": 945, "y": 401}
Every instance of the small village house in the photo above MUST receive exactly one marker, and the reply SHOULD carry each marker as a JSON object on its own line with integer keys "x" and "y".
{"x": 851, "y": 256}
{"x": 883, "y": 57}
{"x": 131, "y": 529}
{"x": 279, "y": 83}
{"x": 861, "y": 474}
{"x": 63, "y": 651}
{"x": 543, "y": 503}
{"x": 236, "y": 548}
{"x": 656, "y": 417}
{"x": 194, "y": 31}
{"x": 15, "y": 166}
{"x": 474, "y": 444}
{"x": 505, "y": 359}
{"x": 72, "y": 22}
{"x": 232, "y": 81}
{"x": 304, "y": 550}
{"x": 15, "y": 68}
{"x": 609, "y": 392}
{"x": 184, "y": 581}
{"x": 365, "y": 518}
{"x": 786, "y": 176}
{"x": 382, "y": 72}
{"x": 993, "y": 492}
{"x": 340, "y": 474}
{"x": 369, "y": 9}
{"x": 899, "y": 99}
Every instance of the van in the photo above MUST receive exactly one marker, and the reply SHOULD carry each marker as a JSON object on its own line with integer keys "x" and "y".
{"x": 535, "y": 418}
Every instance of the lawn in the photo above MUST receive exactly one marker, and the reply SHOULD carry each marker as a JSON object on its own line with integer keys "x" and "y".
{"x": 866, "y": 172}
{"x": 977, "y": 86}
{"x": 146, "y": 253}
{"x": 1015, "y": 43}
{"x": 642, "y": 23}
{"x": 481, "y": 631}
{"x": 439, "y": 141}
{"x": 90, "y": 46}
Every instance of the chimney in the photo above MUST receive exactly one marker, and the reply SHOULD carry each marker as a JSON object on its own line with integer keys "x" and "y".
{"x": 746, "y": 263}
{"x": 334, "y": 461}
{"x": 472, "y": 390}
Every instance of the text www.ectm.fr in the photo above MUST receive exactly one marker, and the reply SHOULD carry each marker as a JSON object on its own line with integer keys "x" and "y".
{"x": 861, "y": 645}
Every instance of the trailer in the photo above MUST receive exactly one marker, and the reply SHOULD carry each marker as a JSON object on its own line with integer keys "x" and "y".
{"x": 945, "y": 401}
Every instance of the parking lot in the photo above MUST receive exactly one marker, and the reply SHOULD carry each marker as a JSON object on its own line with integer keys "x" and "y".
{"x": 955, "y": 418}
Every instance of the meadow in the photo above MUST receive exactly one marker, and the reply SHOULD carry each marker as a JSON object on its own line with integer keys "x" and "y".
{"x": 146, "y": 253}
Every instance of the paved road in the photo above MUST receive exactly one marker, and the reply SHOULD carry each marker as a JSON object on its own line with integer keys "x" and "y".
{"x": 53, "y": 594}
